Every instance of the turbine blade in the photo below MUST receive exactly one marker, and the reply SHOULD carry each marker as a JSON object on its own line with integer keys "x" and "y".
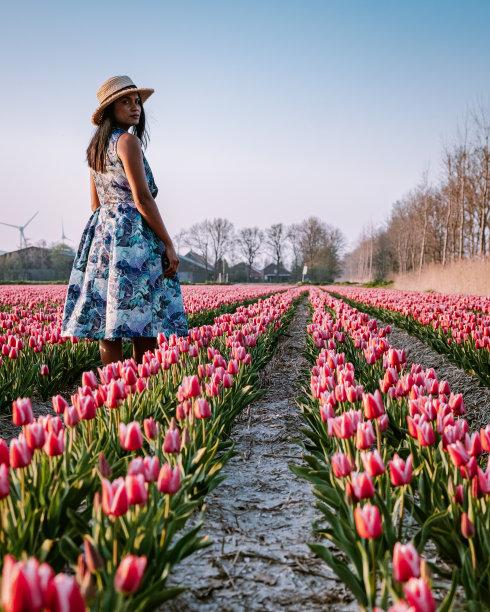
{"x": 26, "y": 224}
{"x": 10, "y": 224}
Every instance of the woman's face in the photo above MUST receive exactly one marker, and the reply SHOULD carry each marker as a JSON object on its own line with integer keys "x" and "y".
{"x": 127, "y": 110}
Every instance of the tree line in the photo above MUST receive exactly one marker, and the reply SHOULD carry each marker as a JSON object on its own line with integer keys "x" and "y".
{"x": 312, "y": 243}
{"x": 435, "y": 222}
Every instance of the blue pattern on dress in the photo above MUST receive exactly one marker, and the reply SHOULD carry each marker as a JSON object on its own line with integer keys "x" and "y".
{"x": 117, "y": 288}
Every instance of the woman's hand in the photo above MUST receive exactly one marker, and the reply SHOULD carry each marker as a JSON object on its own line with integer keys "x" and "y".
{"x": 171, "y": 258}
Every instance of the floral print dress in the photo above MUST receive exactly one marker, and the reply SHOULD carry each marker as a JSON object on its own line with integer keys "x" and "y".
{"x": 117, "y": 288}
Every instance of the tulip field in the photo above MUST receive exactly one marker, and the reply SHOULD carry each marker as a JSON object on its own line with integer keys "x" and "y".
{"x": 103, "y": 498}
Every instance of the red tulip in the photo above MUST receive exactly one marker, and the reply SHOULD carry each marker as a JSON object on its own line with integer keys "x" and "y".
{"x": 22, "y": 411}
{"x": 362, "y": 485}
{"x": 71, "y": 417}
{"x": 467, "y": 527}
{"x": 44, "y": 370}
{"x": 4, "y": 452}
{"x": 114, "y": 497}
{"x": 151, "y": 468}
{"x": 484, "y": 480}
{"x": 130, "y": 436}
{"x": 400, "y": 471}
{"x": 202, "y": 409}
{"x": 151, "y": 428}
{"x": 171, "y": 443}
{"x": 59, "y": 404}
{"x": 20, "y": 454}
{"x": 4, "y": 481}
{"x": 418, "y": 595}
{"x": 35, "y": 435}
{"x": 473, "y": 444}
{"x": 64, "y": 595}
{"x": 373, "y": 405}
{"x": 169, "y": 479}
{"x": 457, "y": 404}
{"x": 136, "y": 489}
{"x": 485, "y": 438}
{"x": 365, "y": 435}
{"x": 373, "y": 463}
{"x": 458, "y": 454}
{"x": 341, "y": 465}
{"x": 129, "y": 574}
{"x": 90, "y": 380}
{"x": 87, "y": 407}
{"x": 382, "y": 422}
{"x": 55, "y": 444}
{"x": 191, "y": 386}
{"x": 406, "y": 562}
{"x": 368, "y": 521}
{"x": 425, "y": 434}
{"x": 21, "y": 586}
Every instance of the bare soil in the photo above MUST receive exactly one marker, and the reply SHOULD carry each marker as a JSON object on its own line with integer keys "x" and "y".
{"x": 260, "y": 517}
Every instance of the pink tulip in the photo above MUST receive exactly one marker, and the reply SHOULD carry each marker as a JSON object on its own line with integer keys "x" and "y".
{"x": 341, "y": 465}
{"x": 22, "y": 411}
{"x": 400, "y": 471}
{"x": 130, "y": 436}
{"x": 136, "y": 489}
{"x": 484, "y": 480}
{"x": 406, "y": 562}
{"x": 114, "y": 497}
{"x": 473, "y": 444}
{"x": 373, "y": 463}
{"x": 64, "y": 595}
{"x": 418, "y": 595}
{"x": 169, "y": 479}
{"x": 20, "y": 454}
{"x": 89, "y": 379}
{"x": 21, "y": 586}
{"x": 202, "y": 409}
{"x": 4, "y": 452}
{"x": 365, "y": 437}
{"x": 171, "y": 443}
{"x": 4, "y": 481}
{"x": 44, "y": 370}
{"x": 151, "y": 428}
{"x": 425, "y": 434}
{"x": 35, "y": 435}
{"x": 71, "y": 417}
{"x": 55, "y": 444}
{"x": 373, "y": 405}
{"x": 59, "y": 404}
{"x": 129, "y": 574}
{"x": 151, "y": 468}
{"x": 458, "y": 454}
{"x": 368, "y": 521}
{"x": 362, "y": 485}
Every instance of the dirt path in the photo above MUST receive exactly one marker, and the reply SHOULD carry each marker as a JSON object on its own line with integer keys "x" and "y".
{"x": 260, "y": 517}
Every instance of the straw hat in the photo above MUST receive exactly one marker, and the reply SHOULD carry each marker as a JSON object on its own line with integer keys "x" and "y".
{"x": 114, "y": 88}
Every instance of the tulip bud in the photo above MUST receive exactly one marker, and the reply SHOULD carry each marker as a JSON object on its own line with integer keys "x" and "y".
{"x": 105, "y": 468}
{"x": 129, "y": 574}
{"x": 467, "y": 527}
{"x": 92, "y": 556}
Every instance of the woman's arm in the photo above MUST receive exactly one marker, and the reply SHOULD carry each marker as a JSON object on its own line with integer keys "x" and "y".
{"x": 129, "y": 151}
{"x": 93, "y": 194}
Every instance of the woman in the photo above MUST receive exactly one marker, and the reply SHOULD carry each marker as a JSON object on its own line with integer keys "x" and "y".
{"x": 118, "y": 286}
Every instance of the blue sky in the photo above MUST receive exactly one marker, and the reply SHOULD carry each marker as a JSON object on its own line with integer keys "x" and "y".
{"x": 263, "y": 112}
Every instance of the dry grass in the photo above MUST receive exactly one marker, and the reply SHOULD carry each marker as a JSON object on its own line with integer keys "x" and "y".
{"x": 469, "y": 276}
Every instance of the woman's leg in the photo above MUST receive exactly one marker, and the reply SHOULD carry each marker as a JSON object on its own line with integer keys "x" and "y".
{"x": 141, "y": 345}
{"x": 110, "y": 351}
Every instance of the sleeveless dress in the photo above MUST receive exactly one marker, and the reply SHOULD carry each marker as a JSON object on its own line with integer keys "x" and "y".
{"x": 117, "y": 288}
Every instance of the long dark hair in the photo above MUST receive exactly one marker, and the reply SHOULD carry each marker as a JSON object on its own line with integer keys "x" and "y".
{"x": 96, "y": 150}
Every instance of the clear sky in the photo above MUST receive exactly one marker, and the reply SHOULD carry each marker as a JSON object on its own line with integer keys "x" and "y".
{"x": 264, "y": 111}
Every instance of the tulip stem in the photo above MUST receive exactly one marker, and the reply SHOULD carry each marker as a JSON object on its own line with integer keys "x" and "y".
{"x": 203, "y": 432}
{"x": 373, "y": 562}
{"x": 378, "y": 436}
{"x": 402, "y": 504}
{"x": 114, "y": 543}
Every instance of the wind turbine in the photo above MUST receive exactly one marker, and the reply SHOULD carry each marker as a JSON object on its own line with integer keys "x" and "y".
{"x": 63, "y": 236}
{"x": 21, "y": 229}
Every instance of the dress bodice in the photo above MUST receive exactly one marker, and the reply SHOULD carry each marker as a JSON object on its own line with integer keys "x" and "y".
{"x": 113, "y": 186}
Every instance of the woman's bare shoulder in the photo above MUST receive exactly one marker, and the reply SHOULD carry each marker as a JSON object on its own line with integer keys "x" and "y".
{"x": 128, "y": 144}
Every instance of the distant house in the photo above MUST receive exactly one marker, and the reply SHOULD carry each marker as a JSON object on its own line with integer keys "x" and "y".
{"x": 192, "y": 268}
{"x": 37, "y": 264}
{"x": 239, "y": 274}
{"x": 273, "y": 275}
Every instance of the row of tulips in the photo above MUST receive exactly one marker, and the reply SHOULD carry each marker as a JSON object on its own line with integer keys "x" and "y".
{"x": 455, "y": 325}
{"x": 35, "y": 357}
{"x": 393, "y": 468}
{"x": 120, "y": 469}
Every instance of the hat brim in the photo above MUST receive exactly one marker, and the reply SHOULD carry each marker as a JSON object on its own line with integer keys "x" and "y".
{"x": 143, "y": 92}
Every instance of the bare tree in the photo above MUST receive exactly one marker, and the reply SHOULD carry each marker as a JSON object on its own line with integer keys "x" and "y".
{"x": 180, "y": 239}
{"x": 249, "y": 241}
{"x": 220, "y": 233}
{"x": 198, "y": 239}
{"x": 293, "y": 236}
{"x": 275, "y": 237}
